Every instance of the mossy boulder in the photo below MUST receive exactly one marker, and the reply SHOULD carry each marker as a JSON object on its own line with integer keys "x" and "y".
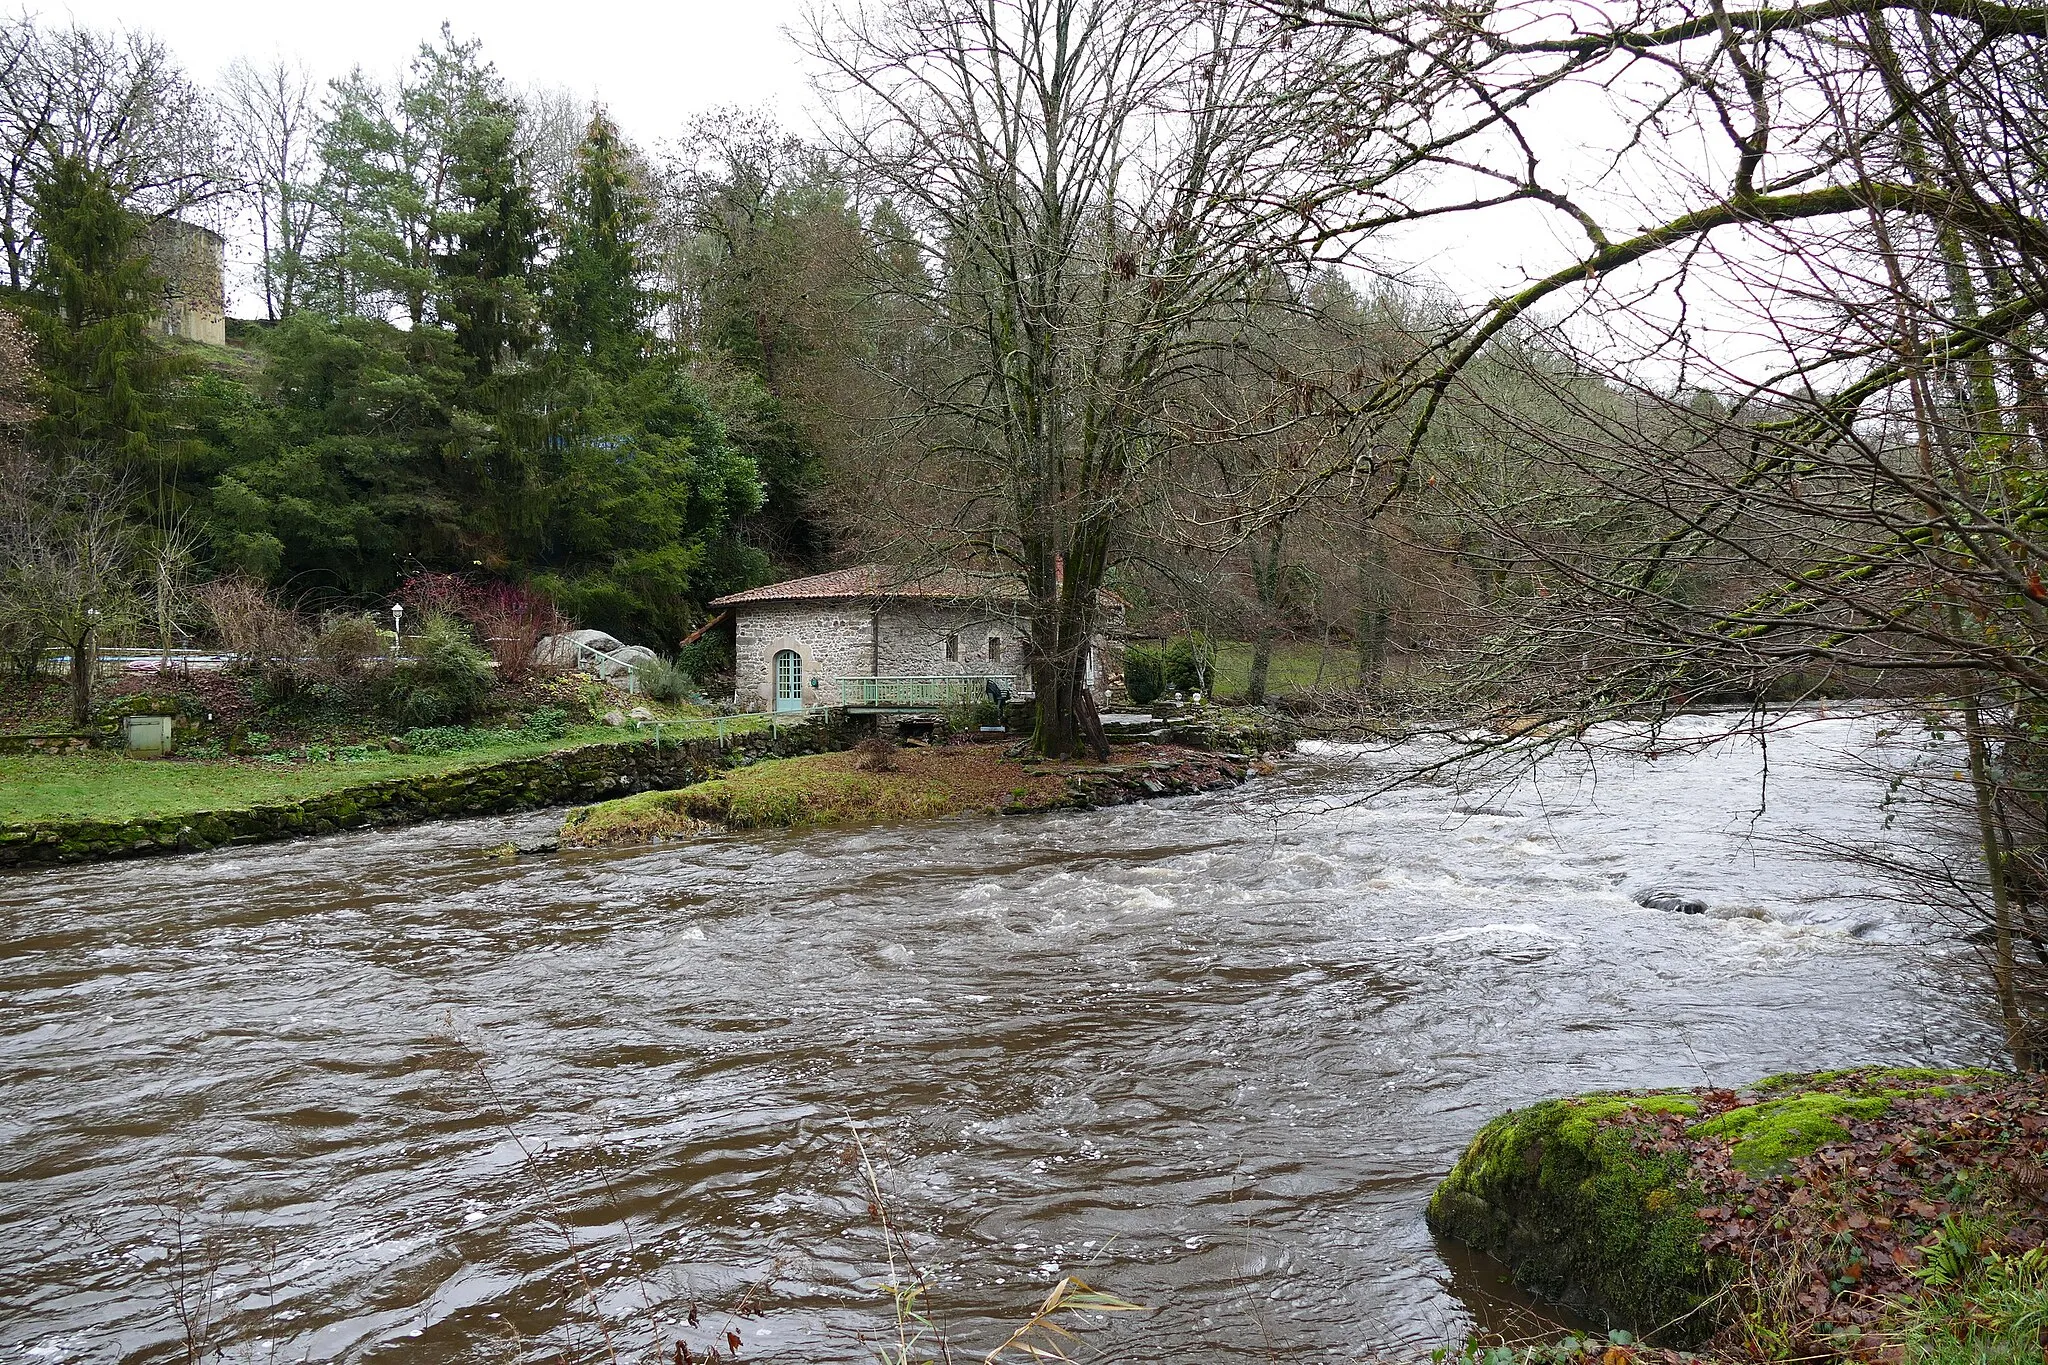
{"x": 1564, "y": 1194}
{"x": 1601, "y": 1202}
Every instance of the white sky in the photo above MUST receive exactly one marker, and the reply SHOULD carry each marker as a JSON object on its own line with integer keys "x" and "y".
{"x": 655, "y": 63}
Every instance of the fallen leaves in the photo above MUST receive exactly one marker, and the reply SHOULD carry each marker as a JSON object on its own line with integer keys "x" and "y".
{"x": 1840, "y": 1231}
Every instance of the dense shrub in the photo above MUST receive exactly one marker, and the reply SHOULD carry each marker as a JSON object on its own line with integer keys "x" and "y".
{"x": 709, "y": 661}
{"x": 663, "y": 680}
{"x": 1151, "y": 671}
{"x": 972, "y": 717}
{"x": 513, "y": 620}
{"x": 1141, "y": 673}
{"x": 250, "y": 623}
{"x": 510, "y": 619}
{"x": 443, "y": 683}
{"x": 345, "y": 646}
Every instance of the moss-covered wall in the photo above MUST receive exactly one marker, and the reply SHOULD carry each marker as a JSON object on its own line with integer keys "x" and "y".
{"x": 569, "y": 776}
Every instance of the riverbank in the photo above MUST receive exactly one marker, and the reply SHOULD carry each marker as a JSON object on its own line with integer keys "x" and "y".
{"x": 880, "y": 784}
{"x": 1868, "y": 1215}
{"x": 89, "y": 807}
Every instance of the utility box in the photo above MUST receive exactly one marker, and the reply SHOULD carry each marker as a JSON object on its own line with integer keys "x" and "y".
{"x": 146, "y": 735}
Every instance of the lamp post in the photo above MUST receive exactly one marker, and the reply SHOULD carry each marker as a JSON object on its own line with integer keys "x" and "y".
{"x": 397, "y": 630}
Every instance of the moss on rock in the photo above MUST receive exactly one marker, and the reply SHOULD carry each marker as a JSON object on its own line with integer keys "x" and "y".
{"x": 922, "y": 784}
{"x": 1768, "y": 1136}
{"x": 1596, "y": 1201}
{"x": 1562, "y": 1193}
{"x": 820, "y": 789}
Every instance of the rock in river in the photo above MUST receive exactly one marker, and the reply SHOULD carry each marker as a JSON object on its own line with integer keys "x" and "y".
{"x": 1673, "y": 901}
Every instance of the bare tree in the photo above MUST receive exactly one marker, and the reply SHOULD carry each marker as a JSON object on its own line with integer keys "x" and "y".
{"x": 1098, "y": 187}
{"x": 552, "y": 122}
{"x": 116, "y": 100}
{"x": 1791, "y": 433}
{"x": 271, "y": 115}
{"x": 27, "y": 107}
{"x": 67, "y": 551}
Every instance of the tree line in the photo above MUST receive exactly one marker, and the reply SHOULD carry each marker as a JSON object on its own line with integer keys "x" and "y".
{"x": 498, "y": 336}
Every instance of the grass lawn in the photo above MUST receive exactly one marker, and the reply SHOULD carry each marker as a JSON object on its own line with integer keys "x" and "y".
{"x": 112, "y": 786}
{"x": 1293, "y": 667}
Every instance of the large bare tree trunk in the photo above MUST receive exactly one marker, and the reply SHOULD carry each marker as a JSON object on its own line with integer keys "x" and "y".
{"x": 1983, "y": 786}
{"x": 84, "y": 668}
{"x": 1375, "y": 612}
{"x": 1094, "y": 192}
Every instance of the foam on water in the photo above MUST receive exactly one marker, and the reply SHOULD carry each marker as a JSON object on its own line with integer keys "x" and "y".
{"x": 1209, "y": 1053}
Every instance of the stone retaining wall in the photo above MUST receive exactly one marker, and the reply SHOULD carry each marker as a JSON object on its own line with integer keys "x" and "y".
{"x": 567, "y": 777}
{"x": 49, "y": 742}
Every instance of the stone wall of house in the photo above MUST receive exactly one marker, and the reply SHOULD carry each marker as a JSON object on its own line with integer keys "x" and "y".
{"x": 853, "y": 639}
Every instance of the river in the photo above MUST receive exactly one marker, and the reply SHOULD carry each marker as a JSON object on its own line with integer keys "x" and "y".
{"x": 382, "y": 1097}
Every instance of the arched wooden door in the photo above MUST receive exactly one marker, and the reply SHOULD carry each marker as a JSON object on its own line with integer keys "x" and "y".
{"x": 789, "y": 681}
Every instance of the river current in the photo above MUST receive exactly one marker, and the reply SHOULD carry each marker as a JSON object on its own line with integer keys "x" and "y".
{"x": 383, "y": 1097}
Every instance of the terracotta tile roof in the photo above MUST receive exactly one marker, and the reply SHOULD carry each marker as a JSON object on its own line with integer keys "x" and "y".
{"x": 878, "y": 582}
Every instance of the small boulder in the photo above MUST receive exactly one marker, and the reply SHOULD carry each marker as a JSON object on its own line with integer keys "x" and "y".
{"x": 1671, "y": 901}
{"x": 615, "y": 717}
{"x": 640, "y": 713}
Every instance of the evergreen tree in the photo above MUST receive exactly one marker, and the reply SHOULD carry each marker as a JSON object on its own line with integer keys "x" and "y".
{"x": 598, "y": 306}
{"x": 492, "y": 231}
{"x": 388, "y": 186}
{"x": 357, "y": 267}
{"x": 92, "y": 296}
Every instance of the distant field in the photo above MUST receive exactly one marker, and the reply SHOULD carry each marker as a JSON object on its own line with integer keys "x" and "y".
{"x": 1293, "y": 667}
{"x": 112, "y": 786}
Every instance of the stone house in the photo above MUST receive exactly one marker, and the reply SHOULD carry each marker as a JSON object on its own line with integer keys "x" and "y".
{"x": 872, "y": 638}
{"x": 192, "y": 263}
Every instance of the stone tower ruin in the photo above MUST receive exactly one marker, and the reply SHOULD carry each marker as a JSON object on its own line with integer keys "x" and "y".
{"x": 191, "y": 260}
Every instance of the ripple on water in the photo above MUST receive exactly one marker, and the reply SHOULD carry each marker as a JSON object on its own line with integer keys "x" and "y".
{"x": 1209, "y": 1053}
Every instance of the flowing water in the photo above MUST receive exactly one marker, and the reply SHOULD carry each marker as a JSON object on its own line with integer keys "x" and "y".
{"x": 380, "y": 1097}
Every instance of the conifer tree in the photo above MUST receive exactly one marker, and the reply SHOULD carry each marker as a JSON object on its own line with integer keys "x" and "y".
{"x": 493, "y": 236}
{"x": 92, "y": 295}
{"x": 357, "y": 266}
{"x": 388, "y": 190}
{"x": 597, "y": 304}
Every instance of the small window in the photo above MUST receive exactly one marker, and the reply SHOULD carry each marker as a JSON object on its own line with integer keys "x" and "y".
{"x": 995, "y": 647}
{"x": 952, "y": 649}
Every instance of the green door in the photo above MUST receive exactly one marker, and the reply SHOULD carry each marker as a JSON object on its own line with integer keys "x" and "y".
{"x": 789, "y": 681}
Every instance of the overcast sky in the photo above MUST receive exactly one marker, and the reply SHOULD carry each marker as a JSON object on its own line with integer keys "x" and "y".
{"x": 654, "y": 62}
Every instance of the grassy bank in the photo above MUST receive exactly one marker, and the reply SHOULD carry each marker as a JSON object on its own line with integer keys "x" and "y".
{"x": 1877, "y": 1215}
{"x": 919, "y": 784}
{"x": 927, "y": 784}
{"x": 105, "y": 785}
{"x": 1294, "y": 667}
